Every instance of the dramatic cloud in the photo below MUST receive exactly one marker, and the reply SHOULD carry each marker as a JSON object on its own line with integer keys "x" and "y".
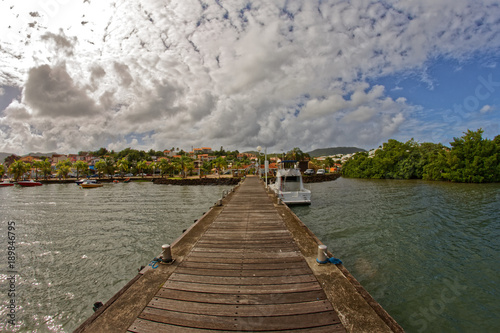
{"x": 281, "y": 74}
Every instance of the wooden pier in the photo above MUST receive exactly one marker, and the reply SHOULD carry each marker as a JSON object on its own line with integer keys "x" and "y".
{"x": 246, "y": 266}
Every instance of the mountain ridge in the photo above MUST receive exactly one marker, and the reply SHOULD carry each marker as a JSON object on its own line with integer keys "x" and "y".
{"x": 334, "y": 151}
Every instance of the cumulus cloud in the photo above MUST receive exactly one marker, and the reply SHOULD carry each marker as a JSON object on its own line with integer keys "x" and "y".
{"x": 238, "y": 74}
{"x": 51, "y": 92}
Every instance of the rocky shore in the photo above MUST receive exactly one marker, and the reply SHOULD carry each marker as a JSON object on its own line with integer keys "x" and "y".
{"x": 320, "y": 178}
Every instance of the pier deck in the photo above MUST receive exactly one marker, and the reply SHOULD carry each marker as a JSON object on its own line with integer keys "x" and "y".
{"x": 247, "y": 271}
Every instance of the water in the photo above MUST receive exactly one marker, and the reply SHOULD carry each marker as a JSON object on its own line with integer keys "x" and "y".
{"x": 428, "y": 252}
{"x": 77, "y": 246}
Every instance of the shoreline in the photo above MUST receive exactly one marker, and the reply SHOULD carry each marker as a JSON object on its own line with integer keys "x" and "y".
{"x": 193, "y": 180}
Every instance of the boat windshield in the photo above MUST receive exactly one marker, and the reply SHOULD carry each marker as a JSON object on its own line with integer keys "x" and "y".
{"x": 290, "y": 183}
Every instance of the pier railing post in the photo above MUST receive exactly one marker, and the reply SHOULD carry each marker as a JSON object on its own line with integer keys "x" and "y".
{"x": 322, "y": 258}
{"x": 166, "y": 253}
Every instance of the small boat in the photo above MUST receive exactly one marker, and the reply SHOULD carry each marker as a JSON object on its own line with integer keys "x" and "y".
{"x": 90, "y": 183}
{"x": 289, "y": 187}
{"x": 5, "y": 184}
{"x": 28, "y": 183}
{"x": 80, "y": 181}
{"x": 127, "y": 180}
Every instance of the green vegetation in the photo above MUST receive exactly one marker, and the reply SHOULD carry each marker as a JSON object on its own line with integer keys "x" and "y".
{"x": 18, "y": 169}
{"x": 471, "y": 159}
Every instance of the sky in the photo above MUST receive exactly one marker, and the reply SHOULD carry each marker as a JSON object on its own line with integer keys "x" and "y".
{"x": 153, "y": 74}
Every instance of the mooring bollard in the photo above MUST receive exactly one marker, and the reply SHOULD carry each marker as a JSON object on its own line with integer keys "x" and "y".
{"x": 166, "y": 253}
{"x": 322, "y": 258}
{"x": 219, "y": 202}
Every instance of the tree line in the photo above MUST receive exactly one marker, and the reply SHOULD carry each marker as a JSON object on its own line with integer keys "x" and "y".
{"x": 470, "y": 159}
{"x": 124, "y": 162}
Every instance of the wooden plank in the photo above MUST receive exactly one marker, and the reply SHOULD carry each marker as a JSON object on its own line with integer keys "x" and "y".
{"x": 238, "y": 310}
{"x": 243, "y": 260}
{"x": 215, "y": 298}
{"x": 244, "y": 266}
{"x": 243, "y": 280}
{"x": 235, "y": 289}
{"x": 147, "y": 326}
{"x": 263, "y": 323}
{"x": 247, "y": 272}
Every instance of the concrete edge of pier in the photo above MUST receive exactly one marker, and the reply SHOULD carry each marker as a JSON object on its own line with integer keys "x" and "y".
{"x": 119, "y": 312}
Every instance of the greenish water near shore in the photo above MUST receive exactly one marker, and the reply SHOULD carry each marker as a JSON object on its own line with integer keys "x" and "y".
{"x": 77, "y": 246}
{"x": 428, "y": 252}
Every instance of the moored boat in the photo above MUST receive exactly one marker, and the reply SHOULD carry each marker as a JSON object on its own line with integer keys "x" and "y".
{"x": 90, "y": 183}
{"x": 28, "y": 183}
{"x": 5, "y": 184}
{"x": 289, "y": 187}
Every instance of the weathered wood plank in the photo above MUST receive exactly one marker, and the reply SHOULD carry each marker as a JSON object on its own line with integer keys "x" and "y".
{"x": 215, "y": 298}
{"x": 244, "y": 266}
{"x": 240, "y": 323}
{"x": 248, "y": 253}
{"x": 147, "y": 326}
{"x": 248, "y": 272}
{"x": 235, "y": 289}
{"x": 238, "y": 310}
{"x": 243, "y": 280}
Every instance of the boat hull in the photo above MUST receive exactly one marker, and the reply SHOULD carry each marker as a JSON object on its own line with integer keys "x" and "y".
{"x": 90, "y": 185}
{"x": 6, "y": 184}
{"x": 294, "y": 198}
{"x": 28, "y": 183}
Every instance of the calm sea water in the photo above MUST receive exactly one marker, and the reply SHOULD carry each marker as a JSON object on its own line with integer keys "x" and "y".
{"x": 427, "y": 251}
{"x": 77, "y": 246}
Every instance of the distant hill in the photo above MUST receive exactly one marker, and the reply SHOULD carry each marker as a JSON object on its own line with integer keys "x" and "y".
{"x": 334, "y": 151}
{"x": 3, "y": 156}
{"x": 40, "y": 154}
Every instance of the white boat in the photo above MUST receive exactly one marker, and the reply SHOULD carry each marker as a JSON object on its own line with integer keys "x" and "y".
{"x": 90, "y": 183}
{"x": 289, "y": 187}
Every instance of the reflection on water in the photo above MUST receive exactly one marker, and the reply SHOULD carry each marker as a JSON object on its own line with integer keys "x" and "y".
{"x": 77, "y": 246}
{"x": 427, "y": 251}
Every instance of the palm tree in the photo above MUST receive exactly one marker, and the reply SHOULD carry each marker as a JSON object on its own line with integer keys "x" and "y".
{"x": 142, "y": 165}
{"x": 123, "y": 165}
{"x": 46, "y": 168}
{"x": 110, "y": 166}
{"x": 2, "y": 171}
{"x": 38, "y": 165}
{"x": 183, "y": 163}
{"x": 63, "y": 169}
{"x": 220, "y": 163}
{"x": 164, "y": 166}
{"x": 205, "y": 168}
{"x": 100, "y": 166}
{"x": 236, "y": 164}
{"x": 18, "y": 169}
{"x": 153, "y": 166}
{"x": 80, "y": 166}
